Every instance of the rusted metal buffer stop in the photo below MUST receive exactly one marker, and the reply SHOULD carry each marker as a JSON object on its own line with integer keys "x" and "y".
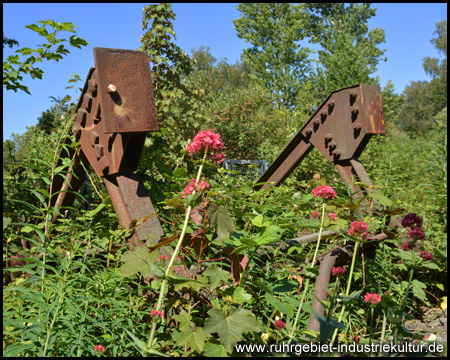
{"x": 340, "y": 129}
{"x": 115, "y": 111}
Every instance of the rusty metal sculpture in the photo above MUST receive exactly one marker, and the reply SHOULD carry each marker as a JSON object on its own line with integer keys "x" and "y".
{"x": 115, "y": 111}
{"x": 340, "y": 129}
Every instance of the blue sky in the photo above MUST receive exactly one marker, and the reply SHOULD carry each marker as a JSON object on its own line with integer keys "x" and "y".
{"x": 408, "y": 28}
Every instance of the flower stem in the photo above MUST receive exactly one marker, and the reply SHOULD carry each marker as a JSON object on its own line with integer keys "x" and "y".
{"x": 162, "y": 290}
{"x": 355, "y": 251}
{"x": 291, "y": 334}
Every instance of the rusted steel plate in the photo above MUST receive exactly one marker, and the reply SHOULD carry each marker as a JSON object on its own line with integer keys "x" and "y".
{"x": 103, "y": 151}
{"x": 132, "y": 203}
{"x": 128, "y": 105}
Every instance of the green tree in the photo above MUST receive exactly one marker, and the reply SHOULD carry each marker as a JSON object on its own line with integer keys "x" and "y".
{"x": 350, "y": 52}
{"x": 436, "y": 68}
{"x": 14, "y": 67}
{"x": 278, "y": 62}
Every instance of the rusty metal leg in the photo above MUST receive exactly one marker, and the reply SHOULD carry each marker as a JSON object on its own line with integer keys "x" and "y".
{"x": 131, "y": 202}
{"x": 292, "y": 155}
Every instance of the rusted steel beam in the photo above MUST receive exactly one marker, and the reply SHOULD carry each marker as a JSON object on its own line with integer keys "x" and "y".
{"x": 115, "y": 111}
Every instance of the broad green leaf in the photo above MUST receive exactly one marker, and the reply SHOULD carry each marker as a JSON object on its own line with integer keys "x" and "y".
{"x": 215, "y": 350}
{"x": 141, "y": 261}
{"x": 230, "y": 326}
{"x": 327, "y": 327}
{"x": 184, "y": 319}
{"x": 262, "y": 286}
{"x": 194, "y": 339}
{"x": 216, "y": 275}
{"x": 221, "y": 221}
{"x": 271, "y": 234}
{"x": 383, "y": 200}
{"x": 240, "y": 296}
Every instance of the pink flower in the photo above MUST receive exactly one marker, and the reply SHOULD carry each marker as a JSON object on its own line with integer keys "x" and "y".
{"x": 155, "y": 313}
{"x": 416, "y": 233}
{"x": 325, "y": 192}
{"x": 332, "y": 216}
{"x": 188, "y": 190}
{"x": 412, "y": 220}
{"x": 329, "y": 292}
{"x": 205, "y": 140}
{"x": 372, "y": 299}
{"x": 338, "y": 271}
{"x": 406, "y": 246}
{"x": 426, "y": 255}
{"x": 358, "y": 227}
{"x": 279, "y": 324}
{"x": 218, "y": 158}
{"x": 387, "y": 293}
{"x": 356, "y": 338}
{"x": 315, "y": 215}
{"x": 99, "y": 348}
{"x": 162, "y": 257}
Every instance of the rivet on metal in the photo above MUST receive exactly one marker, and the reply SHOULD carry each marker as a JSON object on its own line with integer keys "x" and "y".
{"x": 331, "y": 105}
{"x": 92, "y": 85}
{"x": 81, "y": 117}
{"x": 336, "y": 152}
{"x": 103, "y": 162}
{"x": 316, "y": 122}
{"x": 99, "y": 151}
{"x": 353, "y": 96}
{"x": 332, "y": 144}
{"x": 94, "y": 138}
{"x": 111, "y": 88}
{"x": 357, "y": 126}
{"x": 88, "y": 102}
{"x": 355, "y": 112}
{"x": 309, "y": 131}
{"x": 328, "y": 137}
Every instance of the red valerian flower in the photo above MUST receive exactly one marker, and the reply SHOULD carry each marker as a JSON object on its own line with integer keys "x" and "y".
{"x": 188, "y": 190}
{"x": 279, "y": 324}
{"x": 412, "y": 220}
{"x": 406, "y": 246}
{"x": 315, "y": 215}
{"x": 338, "y": 271}
{"x": 416, "y": 233}
{"x": 372, "y": 299}
{"x": 208, "y": 141}
{"x": 332, "y": 216}
{"x": 358, "y": 227}
{"x": 155, "y": 313}
{"x": 426, "y": 255}
{"x": 99, "y": 348}
{"x": 325, "y": 192}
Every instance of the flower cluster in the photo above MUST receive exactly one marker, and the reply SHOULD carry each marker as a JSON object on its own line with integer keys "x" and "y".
{"x": 325, "y": 192}
{"x": 412, "y": 220}
{"x": 188, "y": 190}
{"x": 338, "y": 271}
{"x": 207, "y": 141}
{"x": 99, "y": 348}
{"x": 406, "y": 246}
{"x": 315, "y": 215}
{"x": 359, "y": 228}
{"x": 332, "y": 216}
{"x": 155, "y": 313}
{"x": 279, "y": 324}
{"x": 426, "y": 255}
{"x": 416, "y": 233}
{"x": 372, "y": 299}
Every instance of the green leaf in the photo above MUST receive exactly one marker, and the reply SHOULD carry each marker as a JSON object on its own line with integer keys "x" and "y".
{"x": 262, "y": 286}
{"x": 221, "y": 221}
{"x": 383, "y": 200}
{"x": 141, "y": 261}
{"x": 230, "y": 326}
{"x": 350, "y": 298}
{"x": 277, "y": 304}
{"x": 326, "y": 327}
{"x": 194, "y": 339}
{"x": 240, "y": 296}
{"x": 180, "y": 173}
{"x": 271, "y": 234}
{"x": 213, "y": 349}
{"x": 216, "y": 275}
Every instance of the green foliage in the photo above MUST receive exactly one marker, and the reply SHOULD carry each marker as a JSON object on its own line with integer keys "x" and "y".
{"x": 278, "y": 62}
{"x": 350, "y": 52}
{"x": 14, "y": 68}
